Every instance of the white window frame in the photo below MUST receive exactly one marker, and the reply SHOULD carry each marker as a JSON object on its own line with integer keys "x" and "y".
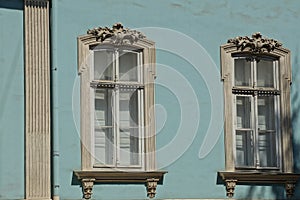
{"x": 254, "y": 114}
{"x": 115, "y": 102}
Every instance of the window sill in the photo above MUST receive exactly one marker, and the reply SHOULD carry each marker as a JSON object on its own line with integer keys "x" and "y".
{"x": 230, "y": 179}
{"x": 150, "y": 179}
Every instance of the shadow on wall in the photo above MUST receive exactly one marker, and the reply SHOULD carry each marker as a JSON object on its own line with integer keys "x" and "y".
{"x": 295, "y": 100}
{"x": 279, "y": 190}
{"x": 12, "y": 4}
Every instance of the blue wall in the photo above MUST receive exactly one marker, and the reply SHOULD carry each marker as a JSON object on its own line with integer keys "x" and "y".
{"x": 11, "y": 100}
{"x": 206, "y": 24}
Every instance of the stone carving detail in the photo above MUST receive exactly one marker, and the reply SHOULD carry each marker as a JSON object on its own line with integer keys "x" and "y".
{"x": 255, "y": 44}
{"x": 151, "y": 187}
{"x": 87, "y": 188}
{"x": 290, "y": 189}
{"x": 230, "y": 185}
{"x": 117, "y": 34}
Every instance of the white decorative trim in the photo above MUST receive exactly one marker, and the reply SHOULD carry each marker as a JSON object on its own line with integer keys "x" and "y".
{"x": 37, "y": 83}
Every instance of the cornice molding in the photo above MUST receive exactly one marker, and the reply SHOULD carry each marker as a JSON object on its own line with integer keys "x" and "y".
{"x": 255, "y": 44}
{"x": 117, "y": 34}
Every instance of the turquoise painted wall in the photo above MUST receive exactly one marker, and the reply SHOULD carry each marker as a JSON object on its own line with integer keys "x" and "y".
{"x": 11, "y": 100}
{"x": 206, "y": 24}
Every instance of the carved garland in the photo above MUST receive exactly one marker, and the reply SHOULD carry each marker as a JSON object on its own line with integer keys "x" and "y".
{"x": 256, "y": 44}
{"x": 117, "y": 34}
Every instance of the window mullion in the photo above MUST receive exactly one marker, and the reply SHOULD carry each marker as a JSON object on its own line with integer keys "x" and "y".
{"x": 255, "y": 129}
{"x": 277, "y": 131}
{"x": 116, "y": 126}
{"x": 253, "y": 74}
{"x": 116, "y": 65}
{"x": 117, "y": 109}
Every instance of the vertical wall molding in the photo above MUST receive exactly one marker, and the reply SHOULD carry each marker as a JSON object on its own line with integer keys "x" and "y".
{"x": 37, "y": 89}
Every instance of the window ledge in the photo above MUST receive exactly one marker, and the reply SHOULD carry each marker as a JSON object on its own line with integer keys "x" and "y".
{"x": 230, "y": 180}
{"x": 150, "y": 179}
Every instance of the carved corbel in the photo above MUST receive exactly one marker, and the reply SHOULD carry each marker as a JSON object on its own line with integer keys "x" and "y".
{"x": 230, "y": 185}
{"x": 87, "y": 187}
{"x": 290, "y": 189}
{"x": 151, "y": 187}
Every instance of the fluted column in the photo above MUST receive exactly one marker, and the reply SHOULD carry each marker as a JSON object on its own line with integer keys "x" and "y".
{"x": 37, "y": 81}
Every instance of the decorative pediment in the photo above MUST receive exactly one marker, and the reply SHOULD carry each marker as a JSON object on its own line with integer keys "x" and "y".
{"x": 117, "y": 34}
{"x": 255, "y": 44}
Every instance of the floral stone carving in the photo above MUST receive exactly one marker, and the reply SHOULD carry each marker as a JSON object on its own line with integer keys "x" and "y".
{"x": 117, "y": 34}
{"x": 255, "y": 44}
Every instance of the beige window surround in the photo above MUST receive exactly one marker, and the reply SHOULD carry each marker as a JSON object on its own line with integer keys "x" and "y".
{"x": 255, "y": 48}
{"x": 117, "y": 37}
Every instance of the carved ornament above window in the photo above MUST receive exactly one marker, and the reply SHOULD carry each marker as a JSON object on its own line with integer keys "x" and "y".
{"x": 255, "y": 44}
{"x": 117, "y": 34}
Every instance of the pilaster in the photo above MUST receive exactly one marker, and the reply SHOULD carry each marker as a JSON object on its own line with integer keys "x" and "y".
{"x": 37, "y": 89}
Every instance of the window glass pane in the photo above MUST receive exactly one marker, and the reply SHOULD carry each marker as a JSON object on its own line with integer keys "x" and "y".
{"x": 242, "y": 72}
{"x": 104, "y": 146}
{"x": 129, "y": 146}
{"x": 128, "y": 66}
{"x": 103, "y": 107}
{"x": 244, "y": 148}
{"x": 265, "y": 73}
{"x": 103, "y": 65}
{"x": 129, "y": 127}
{"x": 243, "y": 112}
{"x": 266, "y": 113}
{"x": 103, "y": 135}
{"x": 267, "y": 149}
{"x": 128, "y": 108}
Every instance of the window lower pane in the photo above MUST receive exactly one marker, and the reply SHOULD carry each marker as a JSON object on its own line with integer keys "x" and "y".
{"x": 243, "y": 111}
{"x": 129, "y": 106}
{"x": 244, "y": 149}
{"x": 266, "y": 113}
{"x": 129, "y": 147}
{"x": 267, "y": 149}
{"x": 103, "y": 127}
{"x": 104, "y": 146}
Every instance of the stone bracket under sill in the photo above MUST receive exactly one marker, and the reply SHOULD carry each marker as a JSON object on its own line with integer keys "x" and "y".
{"x": 231, "y": 179}
{"x": 150, "y": 179}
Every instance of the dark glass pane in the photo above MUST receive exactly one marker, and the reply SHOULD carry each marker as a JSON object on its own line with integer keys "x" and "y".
{"x": 128, "y": 66}
{"x": 244, "y": 149}
{"x": 242, "y": 72}
{"x": 103, "y": 65}
{"x": 265, "y": 73}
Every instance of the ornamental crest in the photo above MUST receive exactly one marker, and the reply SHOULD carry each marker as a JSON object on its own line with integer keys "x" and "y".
{"x": 117, "y": 34}
{"x": 255, "y": 44}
